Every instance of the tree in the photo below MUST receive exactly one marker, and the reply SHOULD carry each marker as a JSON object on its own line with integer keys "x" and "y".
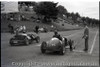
{"x": 74, "y": 17}
{"x": 27, "y": 3}
{"x": 68, "y": 14}
{"x": 77, "y": 15}
{"x": 83, "y": 19}
{"x": 47, "y": 9}
{"x": 61, "y": 10}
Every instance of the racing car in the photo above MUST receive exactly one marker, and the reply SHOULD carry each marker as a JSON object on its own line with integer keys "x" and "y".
{"x": 24, "y": 39}
{"x": 56, "y": 45}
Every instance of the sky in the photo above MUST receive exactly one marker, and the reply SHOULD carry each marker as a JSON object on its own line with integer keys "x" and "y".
{"x": 87, "y": 8}
{"x": 84, "y": 8}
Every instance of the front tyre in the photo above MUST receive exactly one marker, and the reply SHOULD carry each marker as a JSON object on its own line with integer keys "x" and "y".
{"x": 38, "y": 39}
{"x": 11, "y": 44}
{"x": 43, "y": 47}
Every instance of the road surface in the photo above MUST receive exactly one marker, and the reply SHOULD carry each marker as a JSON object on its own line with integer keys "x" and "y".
{"x": 31, "y": 56}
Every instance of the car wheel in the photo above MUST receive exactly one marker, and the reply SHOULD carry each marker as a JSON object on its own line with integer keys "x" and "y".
{"x": 62, "y": 51}
{"x": 38, "y": 39}
{"x": 11, "y": 44}
{"x": 43, "y": 45}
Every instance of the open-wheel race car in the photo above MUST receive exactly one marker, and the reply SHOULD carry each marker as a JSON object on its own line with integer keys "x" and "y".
{"x": 57, "y": 45}
{"x": 24, "y": 39}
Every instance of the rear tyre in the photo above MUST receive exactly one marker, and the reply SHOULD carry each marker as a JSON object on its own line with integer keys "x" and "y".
{"x": 62, "y": 51}
{"x": 38, "y": 39}
{"x": 26, "y": 42}
{"x": 11, "y": 42}
{"x": 43, "y": 47}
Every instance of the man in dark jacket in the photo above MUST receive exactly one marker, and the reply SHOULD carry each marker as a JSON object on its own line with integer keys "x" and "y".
{"x": 37, "y": 29}
{"x": 86, "y": 37}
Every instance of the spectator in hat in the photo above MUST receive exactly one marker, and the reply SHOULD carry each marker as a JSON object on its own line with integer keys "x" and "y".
{"x": 86, "y": 37}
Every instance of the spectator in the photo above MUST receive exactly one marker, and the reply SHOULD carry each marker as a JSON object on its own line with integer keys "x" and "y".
{"x": 17, "y": 31}
{"x": 24, "y": 28}
{"x": 9, "y": 25}
{"x": 21, "y": 27}
{"x": 11, "y": 28}
{"x": 86, "y": 37}
{"x": 37, "y": 29}
{"x": 22, "y": 17}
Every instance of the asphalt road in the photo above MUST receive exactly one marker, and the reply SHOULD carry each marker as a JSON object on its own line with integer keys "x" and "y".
{"x": 31, "y": 56}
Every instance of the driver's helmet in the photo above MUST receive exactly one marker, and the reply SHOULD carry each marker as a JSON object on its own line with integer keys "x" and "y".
{"x": 55, "y": 32}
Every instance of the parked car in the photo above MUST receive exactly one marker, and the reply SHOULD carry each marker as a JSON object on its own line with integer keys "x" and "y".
{"x": 24, "y": 39}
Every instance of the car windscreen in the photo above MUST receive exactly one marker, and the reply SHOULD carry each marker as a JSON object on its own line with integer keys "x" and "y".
{"x": 20, "y": 37}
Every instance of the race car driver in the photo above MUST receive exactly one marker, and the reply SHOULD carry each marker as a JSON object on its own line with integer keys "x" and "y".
{"x": 57, "y": 35}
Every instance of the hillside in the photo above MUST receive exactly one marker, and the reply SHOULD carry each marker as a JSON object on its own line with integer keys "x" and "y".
{"x": 30, "y": 24}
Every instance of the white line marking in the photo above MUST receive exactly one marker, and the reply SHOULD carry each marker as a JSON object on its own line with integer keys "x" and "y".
{"x": 93, "y": 43}
{"x": 78, "y": 51}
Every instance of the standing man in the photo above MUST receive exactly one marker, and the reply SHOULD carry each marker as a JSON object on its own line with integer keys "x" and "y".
{"x": 37, "y": 29}
{"x": 86, "y": 37}
{"x": 11, "y": 28}
{"x": 24, "y": 29}
{"x": 17, "y": 31}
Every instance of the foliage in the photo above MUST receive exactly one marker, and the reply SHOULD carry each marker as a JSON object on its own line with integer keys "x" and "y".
{"x": 49, "y": 11}
{"x": 46, "y": 9}
{"x": 61, "y": 9}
